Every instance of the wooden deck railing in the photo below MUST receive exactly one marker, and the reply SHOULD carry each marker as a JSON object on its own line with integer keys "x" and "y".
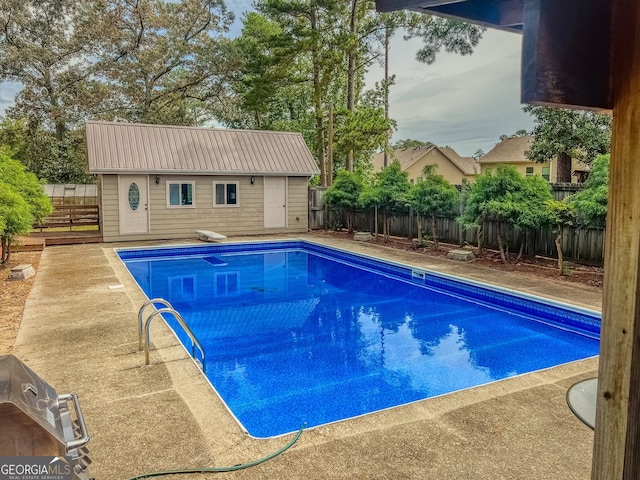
{"x": 72, "y": 216}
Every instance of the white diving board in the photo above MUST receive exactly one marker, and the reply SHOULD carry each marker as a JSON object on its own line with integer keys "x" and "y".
{"x": 208, "y": 236}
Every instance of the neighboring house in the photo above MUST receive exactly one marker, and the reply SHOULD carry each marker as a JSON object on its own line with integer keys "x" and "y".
{"x": 164, "y": 182}
{"x": 451, "y": 166}
{"x": 511, "y": 151}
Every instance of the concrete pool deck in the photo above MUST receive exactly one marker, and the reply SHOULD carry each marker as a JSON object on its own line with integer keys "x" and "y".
{"x": 79, "y": 333}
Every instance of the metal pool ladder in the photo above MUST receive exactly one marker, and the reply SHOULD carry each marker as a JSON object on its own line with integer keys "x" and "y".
{"x": 144, "y": 332}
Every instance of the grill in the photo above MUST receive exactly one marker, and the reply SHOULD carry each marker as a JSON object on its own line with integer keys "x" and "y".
{"x": 36, "y": 421}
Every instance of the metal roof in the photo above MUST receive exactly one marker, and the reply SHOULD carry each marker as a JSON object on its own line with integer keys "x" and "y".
{"x": 114, "y": 147}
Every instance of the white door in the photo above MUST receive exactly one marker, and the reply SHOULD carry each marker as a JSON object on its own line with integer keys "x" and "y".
{"x": 133, "y": 201}
{"x": 275, "y": 202}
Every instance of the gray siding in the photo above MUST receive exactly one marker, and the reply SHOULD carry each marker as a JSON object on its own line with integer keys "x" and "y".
{"x": 171, "y": 223}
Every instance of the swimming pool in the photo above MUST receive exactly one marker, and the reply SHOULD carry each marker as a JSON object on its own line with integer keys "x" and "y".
{"x": 298, "y": 332}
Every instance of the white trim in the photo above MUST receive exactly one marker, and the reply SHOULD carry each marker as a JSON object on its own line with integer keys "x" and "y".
{"x": 168, "y": 184}
{"x": 225, "y": 204}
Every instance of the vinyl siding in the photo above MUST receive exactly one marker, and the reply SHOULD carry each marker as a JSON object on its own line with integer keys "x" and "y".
{"x": 445, "y": 168}
{"x": 178, "y": 223}
{"x": 522, "y": 168}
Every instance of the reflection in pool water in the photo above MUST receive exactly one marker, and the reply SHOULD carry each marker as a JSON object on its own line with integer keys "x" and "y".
{"x": 295, "y": 336}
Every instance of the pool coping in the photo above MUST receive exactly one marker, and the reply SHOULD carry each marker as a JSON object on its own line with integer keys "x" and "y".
{"x": 400, "y": 270}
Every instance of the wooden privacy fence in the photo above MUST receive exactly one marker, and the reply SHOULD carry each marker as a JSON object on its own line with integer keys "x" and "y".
{"x": 72, "y": 216}
{"x": 317, "y": 208}
{"x": 580, "y": 244}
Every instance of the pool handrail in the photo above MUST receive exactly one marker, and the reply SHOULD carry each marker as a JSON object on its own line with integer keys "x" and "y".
{"x": 194, "y": 341}
{"x": 153, "y": 301}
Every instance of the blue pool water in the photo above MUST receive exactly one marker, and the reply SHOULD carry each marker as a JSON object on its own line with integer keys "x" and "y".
{"x": 296, "y": 332}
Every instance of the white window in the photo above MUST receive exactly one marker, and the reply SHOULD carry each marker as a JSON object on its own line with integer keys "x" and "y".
{"x": 225, "y": 194}
{"x": 182, "y": 288}
{"x": 181, "y": 195}
{"x": 226, "y": 284}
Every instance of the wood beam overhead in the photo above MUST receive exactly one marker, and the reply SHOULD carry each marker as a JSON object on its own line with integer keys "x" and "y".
{"x": 566, "y": 44}
{"x": 500, "y": 14}
{"x": 566, "y": 54}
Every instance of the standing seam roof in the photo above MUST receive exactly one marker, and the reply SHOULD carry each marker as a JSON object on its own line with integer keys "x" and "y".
{"x": 114, "y": 147}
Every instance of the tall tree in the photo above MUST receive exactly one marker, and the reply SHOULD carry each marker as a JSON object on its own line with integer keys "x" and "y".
{"x": 308, "y": 41}
{"x": 51, "y": 47}
{"x": 566, "y": 134}
{"x": 167, "y": 57}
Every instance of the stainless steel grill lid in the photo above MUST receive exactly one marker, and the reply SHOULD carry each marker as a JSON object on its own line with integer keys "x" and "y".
{"x": 36, "y": 420}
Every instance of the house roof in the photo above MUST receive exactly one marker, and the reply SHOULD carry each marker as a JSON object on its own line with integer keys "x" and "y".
{"x": 509, "y": 150}
{"x": 129, "y": 147}
{"x": 409, "y": 156}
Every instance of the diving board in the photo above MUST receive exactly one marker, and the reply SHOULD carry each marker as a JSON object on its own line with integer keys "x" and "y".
{"x": 208, "y": 236}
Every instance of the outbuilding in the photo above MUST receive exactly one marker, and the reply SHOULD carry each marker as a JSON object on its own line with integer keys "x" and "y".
{"x": 160, "y": 182}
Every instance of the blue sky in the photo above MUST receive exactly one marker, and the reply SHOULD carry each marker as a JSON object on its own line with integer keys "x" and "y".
{"x": 462, "y": 102}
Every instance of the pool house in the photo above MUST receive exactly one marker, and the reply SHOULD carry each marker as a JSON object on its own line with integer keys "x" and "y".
{"x": 158, "y": 182}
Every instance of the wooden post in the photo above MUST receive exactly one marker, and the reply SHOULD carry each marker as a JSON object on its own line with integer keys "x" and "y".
{"x": 616, "y": 452}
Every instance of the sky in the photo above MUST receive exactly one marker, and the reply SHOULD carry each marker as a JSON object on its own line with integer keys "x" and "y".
{"x": 464, "y": 102}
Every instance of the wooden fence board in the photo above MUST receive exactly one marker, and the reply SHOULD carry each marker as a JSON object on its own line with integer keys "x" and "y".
{"x": 577, "y": 243}
{"x": 72, "y": 216}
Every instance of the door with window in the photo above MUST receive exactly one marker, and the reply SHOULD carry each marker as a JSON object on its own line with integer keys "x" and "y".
{"x": 275, "y": 202}
{"x": 133, "y": 204}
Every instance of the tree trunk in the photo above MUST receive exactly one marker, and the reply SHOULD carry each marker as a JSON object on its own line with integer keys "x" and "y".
{"x": 434, "y": 232}
{"x": 480, "y": 235}
{"x": 419, "y": 228}
{"x": 375, "y": 224}
{"x": 559, "y": 248}
{"x": 385, "y": 226}
{"x": 564, "y": 168}
{"x": 351, "y": 71}
{"x": 387, "y": 37}
{"x": 317, "y": 97}
{"x": 522, "y": 241}
{"x": 6, "y": 250}
{"x": 503, "y": 256}
{"x": 330, "y": 146}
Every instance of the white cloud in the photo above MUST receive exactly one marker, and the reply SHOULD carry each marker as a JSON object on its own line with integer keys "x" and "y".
{"x": 464, "y": 102}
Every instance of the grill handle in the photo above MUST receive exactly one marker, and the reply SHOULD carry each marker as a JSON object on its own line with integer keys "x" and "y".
{"x": 84, "y": 439}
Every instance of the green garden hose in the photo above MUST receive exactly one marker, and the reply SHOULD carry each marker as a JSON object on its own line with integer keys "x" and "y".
{"x": 240, "y": 466}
